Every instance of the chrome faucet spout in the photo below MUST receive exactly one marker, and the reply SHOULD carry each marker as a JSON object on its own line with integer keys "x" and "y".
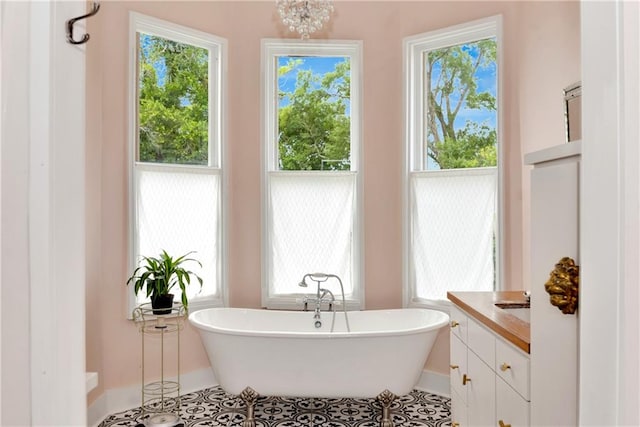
{"x": 324, "y": 293}
{"x": 321, "y": 295}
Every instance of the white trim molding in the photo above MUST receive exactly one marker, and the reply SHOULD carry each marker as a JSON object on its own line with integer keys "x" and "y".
{"x": 217, "y": 76}
{"x": 414, "y": 110}
{"x": 124, "y": 398}
{"x": 609, "y": 215}
{"x": 435, "y": 383}
{"x": 271, "y": 49}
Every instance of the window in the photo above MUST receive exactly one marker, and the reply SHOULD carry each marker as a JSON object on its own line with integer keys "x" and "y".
{"x": 312, "y": 169}
{"x": 176, "y": 175}
{"x": 452, "y": 237}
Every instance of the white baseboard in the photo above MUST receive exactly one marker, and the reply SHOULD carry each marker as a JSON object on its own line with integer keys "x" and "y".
{"x": 434, "y": 382}
{"x": 91, "y": 380}
{"x": 124, "y": 398}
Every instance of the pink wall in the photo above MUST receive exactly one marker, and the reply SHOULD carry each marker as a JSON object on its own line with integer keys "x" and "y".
{"x": 552, "y": 31}
{"x": 113, "y": 342}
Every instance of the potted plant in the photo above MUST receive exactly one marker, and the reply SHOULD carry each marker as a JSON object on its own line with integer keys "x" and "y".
{"x": 159, "y": 275}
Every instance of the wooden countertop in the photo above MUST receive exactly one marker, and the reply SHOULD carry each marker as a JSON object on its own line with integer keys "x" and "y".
{"x": 480, "y": 306}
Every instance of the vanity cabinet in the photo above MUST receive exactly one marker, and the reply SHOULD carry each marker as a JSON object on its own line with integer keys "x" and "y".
{"x": 489, "y": 376}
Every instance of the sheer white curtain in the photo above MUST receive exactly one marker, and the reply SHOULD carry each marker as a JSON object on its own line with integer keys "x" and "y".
{"x": 453, "y": 217}
{"x": 310, "y": 227}
{"x": 178, "y": 211}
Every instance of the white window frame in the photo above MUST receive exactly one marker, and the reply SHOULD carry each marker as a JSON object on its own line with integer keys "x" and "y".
{"x": 217, "y": 47}
{"x": 270, "y": 50}
{"x": 414, "y": 48}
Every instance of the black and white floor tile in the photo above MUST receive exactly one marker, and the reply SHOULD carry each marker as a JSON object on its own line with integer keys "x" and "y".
{"x": 216, "y": 408}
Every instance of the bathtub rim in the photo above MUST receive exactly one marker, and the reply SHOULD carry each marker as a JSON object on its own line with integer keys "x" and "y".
{"x": 442, "y": 319}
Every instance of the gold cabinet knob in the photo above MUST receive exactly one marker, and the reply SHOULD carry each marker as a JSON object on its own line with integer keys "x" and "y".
{"x": 454, "y": 366}
{"x": 504, "y": 367}
{"x": 454, "y": 323}
{"x": 502, "y": 424}
{"x": 465, "y": 379}
{"x": 455, "y": 424}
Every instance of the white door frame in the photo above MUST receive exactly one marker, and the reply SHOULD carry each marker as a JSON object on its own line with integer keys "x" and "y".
{"x": 610, "y": 234}
{"x": 43, "y": 216}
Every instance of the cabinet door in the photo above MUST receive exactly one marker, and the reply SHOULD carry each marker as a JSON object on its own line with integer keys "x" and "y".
{"x": 458, "y": 411}
{"x": 554, "y": 335}
{"x": 458, "y": 367}
{"x": 481, "y": 392}
{"x": 512, "y": 410}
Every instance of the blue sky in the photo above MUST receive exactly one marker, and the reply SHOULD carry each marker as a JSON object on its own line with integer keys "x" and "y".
{"x": 487, "y": 81}
{"x": 323, "y": 64}
{"x": 160, "y": 66}
{"x": 318, "y": 64}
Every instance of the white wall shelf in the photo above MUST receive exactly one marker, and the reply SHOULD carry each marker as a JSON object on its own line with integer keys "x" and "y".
{"x": 556, "y": 152}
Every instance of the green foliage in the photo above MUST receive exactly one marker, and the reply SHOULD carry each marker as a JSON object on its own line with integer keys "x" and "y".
{"x": 452, "y": 83}
{"x": 173, "y": 95}
{"x": 473, "y": 147}
{"x": 314, "y": 128}
{"x": 158, "y": 275}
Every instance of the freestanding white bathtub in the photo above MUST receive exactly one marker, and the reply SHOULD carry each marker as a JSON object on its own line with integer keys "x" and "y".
{"x": 281, "y": 353}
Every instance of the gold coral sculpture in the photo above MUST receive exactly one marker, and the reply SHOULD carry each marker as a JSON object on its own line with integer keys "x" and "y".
{"x": 563, "y": 285}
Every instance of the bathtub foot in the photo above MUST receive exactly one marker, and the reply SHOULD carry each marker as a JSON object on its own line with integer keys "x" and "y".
{"x": 249, "y": 396}
{"x": 386, "y": 398}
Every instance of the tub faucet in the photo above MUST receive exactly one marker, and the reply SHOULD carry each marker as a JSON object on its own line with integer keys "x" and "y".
{"x": 320, "y": 297}
{"x": 321, "y": 293}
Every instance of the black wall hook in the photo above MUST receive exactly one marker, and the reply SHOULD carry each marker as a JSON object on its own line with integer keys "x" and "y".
{"x": 70, "y": 22}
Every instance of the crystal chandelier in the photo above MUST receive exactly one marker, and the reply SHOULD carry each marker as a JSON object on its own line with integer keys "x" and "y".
{"x": 304, "y": 16}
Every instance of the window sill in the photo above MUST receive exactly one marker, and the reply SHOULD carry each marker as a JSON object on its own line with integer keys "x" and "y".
{"x": 441, "y": 305}
{"x": 195, "y": 306}
{"x": 297, "y": 304}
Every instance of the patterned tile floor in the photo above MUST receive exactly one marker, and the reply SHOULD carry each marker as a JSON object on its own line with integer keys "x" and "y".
{"x": 214, "y": 407}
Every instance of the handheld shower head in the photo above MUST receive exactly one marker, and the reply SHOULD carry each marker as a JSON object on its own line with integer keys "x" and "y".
{"x": 319, "y": 277}
{"x": 316, "y": 277}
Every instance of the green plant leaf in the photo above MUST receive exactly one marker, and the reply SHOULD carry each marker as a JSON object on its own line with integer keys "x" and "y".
{"x": 159, "y": 275}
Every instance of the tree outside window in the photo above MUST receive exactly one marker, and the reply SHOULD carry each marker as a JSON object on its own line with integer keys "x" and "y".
{"x": 461, "y": 106}
{"x": 173, "y": 102}
{"x": 313, "y": 115}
